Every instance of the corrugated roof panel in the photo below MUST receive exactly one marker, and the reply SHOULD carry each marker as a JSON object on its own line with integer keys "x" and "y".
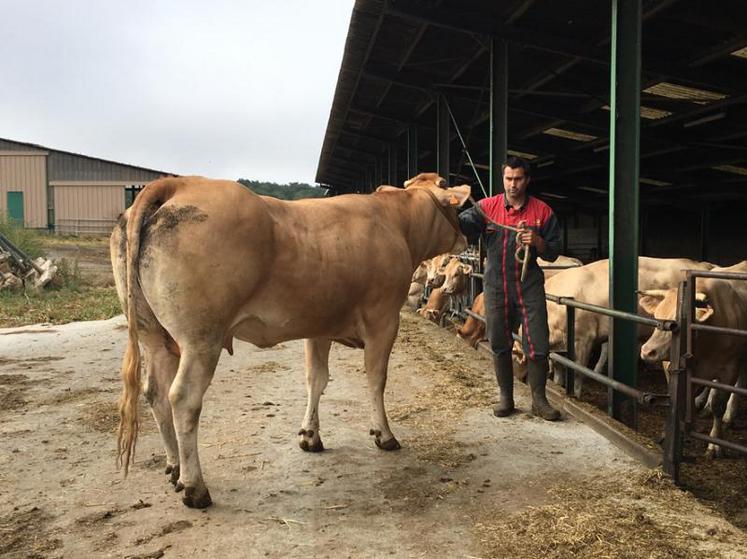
{"x": 675, "y": 91}
{"x": 654, "y": 182}
{"x": 734, "y": 169}
{"x": 569, "y": 135}
{"x": 522, "y": 154}
{"x": 648, "y": 112}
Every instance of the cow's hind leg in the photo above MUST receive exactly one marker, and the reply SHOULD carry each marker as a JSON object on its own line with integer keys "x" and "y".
{"x": 196, "y": 368}
{"x": 160, "y": 370}
{"x": 376, "y": 358}
{"x": 317, "y": 375}
{"x": 718, "y": 407}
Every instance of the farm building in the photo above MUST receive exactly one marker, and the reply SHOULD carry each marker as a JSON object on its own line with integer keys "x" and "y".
{"x": 68, "y": 193}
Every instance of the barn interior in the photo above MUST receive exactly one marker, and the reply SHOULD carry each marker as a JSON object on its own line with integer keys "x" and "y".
{"x": 543, "y": 70}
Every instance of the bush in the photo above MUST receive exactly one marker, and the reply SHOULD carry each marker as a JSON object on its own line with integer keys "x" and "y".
{"x": 28, "y": 240}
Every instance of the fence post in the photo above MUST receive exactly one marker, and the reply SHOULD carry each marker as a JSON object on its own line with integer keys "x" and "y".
{"x": 570, "y": 347}
{"x": 678, "y": 381}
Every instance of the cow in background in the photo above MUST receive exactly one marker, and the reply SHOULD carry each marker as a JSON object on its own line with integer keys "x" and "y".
{"x": 717, "y": 357}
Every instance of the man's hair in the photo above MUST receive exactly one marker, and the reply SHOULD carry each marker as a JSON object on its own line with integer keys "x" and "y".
{"x": 517, "y": 163}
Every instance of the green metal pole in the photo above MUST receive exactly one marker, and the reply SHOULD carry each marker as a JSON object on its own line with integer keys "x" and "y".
{"x": 442, "y": 139}
{"x": 393, "y": 178}
{"x": 625, "y": 90}
{"x": 412, "y": 151}
{"x": 498, "y": 112}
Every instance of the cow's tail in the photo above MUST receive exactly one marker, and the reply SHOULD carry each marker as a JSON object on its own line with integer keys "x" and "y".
{"x": 150, "y": 199}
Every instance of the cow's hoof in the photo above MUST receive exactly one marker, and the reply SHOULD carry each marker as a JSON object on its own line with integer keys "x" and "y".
{"x": 178, "y": 486}
{"x": 713, "y": 452}
{"x": 173, "y": 473}
{"x": 197, "y": 499}
{"x": 311, "y": 446}
{"x": 310, "y": 441}
{"x": 391, "y": 444}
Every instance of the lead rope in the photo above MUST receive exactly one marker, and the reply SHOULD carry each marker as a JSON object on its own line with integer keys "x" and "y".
{"x": 521, "y": 252}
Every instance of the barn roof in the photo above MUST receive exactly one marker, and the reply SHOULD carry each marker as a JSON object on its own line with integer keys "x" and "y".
{"x": 400, "y": 54}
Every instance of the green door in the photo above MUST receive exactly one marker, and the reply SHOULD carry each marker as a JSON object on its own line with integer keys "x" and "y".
{"x": 15, "y": 207}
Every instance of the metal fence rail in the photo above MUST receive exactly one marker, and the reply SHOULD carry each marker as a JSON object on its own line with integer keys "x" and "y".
{"x": 680, "y": 397}
{"x": 680, "y": 423}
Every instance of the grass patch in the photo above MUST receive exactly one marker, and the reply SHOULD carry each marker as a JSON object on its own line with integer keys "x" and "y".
{"x": 58, "y": 306}
{"x": 28, "y": 240}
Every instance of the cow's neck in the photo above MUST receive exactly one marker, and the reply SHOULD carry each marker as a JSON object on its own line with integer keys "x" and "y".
{"x": 428, "y": 232}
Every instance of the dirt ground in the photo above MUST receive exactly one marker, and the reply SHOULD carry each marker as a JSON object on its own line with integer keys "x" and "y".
{"x": 465, "y": 484}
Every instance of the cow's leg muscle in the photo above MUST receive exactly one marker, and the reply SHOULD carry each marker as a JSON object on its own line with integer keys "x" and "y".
{"x": 196, "y": 369}
{"x": 160, "y": 370}
{"x": 718, "y": 406}
{"x": 583, "y": 351}
{"x": 317, "y": 375}
{"x": 376, "y": 357}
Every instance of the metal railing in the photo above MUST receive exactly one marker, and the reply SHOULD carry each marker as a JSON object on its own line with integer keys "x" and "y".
{"x": 84, "y": 226}
{"x": 680, "y": 421}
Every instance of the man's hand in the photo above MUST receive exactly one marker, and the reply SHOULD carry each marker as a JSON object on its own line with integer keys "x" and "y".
{"x": 529, "y": 237}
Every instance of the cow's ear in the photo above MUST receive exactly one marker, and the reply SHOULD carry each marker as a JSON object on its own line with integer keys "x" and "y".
{"x": 651, "y": 299}
{"x": 387, "y": 188}
{"x": 703, "y": 309}
{"x": 413, "y": 180}
{"x": 457, "y": 195}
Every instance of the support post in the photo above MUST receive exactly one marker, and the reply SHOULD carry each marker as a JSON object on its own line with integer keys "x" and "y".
{"x": 678, "y": 388}
{"x": 442, "y": 138}
{"x": 625, "y": 87}
{"x": 412, "y": 151}
{"x": 570, "y": 348}
{"x": 498, "y": 112}
{"x": 393, "y": 179}
{"x": 705, "y": 226}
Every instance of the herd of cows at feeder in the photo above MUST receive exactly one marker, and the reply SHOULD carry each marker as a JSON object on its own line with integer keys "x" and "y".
{"x": 720, "y": 303}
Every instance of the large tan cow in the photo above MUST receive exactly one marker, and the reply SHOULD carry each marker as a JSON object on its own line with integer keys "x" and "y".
{"x": 473, "y": 329}
{"x": 199, "y": 262}
{"x": 590, "y": 284}
{"x": 717, "y": 356}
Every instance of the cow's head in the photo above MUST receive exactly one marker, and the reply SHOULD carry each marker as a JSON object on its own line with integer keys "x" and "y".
{"x": 456, "y": 276}
{"x": 662, "y": 304}
{"x": 435, "y": 272}
{"x": 448, "y": 199}
{"x": 420, "y": 275}
{"x": 426, "y": 180}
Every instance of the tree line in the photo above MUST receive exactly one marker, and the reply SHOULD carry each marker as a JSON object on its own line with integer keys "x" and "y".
{"x": 289, "y": 191}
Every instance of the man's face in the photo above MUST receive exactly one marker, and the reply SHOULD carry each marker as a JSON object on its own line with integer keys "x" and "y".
{"x": 515, "y": 182}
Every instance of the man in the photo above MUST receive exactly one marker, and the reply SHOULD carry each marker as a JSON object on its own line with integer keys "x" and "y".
{"x": 509, "y": 301}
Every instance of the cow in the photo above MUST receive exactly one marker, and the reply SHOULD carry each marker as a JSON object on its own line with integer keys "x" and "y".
{"x": 417, "y": 285}
{"x": 434, "y": 308}
{"x": 560, "y": 264}
{"x": 720, "y": 303}
{"x": 456, "y": 277}
{"x": 590, "y": 284}
{"x": 199, "y": 262}
{"x": 473, "y": 329}
{"x": 435, "y": 271}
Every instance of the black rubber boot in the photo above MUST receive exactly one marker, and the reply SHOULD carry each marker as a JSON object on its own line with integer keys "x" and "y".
{"x": 504, "y": 374}
{"x": 537, "y": 377}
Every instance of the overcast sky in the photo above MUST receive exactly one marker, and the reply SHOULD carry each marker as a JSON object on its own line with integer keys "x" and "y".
{"x": 225, "y": 89}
